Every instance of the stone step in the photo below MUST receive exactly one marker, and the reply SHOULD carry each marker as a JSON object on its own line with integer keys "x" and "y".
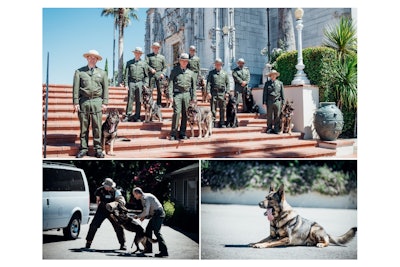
{"x": 222, "y": 145}
{"x": 72, "y": 136}
{"x": 166, "y": 114}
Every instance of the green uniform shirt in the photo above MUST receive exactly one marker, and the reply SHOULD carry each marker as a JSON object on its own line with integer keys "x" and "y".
{"x": 181, "y": 81}
{"x": 273, "y": 91}
{"x": 91, "y": 85}
{"x": 194, "y": 63}
{"x": 157, "y": 62}
{"x": 136, "y": 71}
{"x": 241, "y": 75}
{"x": 217, "y": 82}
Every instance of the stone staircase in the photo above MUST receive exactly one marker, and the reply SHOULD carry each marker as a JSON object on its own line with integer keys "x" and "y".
{"x": 149, "y": 140}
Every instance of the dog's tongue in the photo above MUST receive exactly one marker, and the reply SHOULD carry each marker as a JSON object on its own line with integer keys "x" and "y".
{"x": 269, "y": 215}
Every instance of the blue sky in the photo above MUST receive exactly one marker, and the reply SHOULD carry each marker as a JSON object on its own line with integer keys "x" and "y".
{"x": 70, "y": 32}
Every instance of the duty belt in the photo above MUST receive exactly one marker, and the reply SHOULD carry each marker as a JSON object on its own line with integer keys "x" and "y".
{"x": 131, "y": 80}
{"x": 219, "y": 89}
{"x": 90, "y": 97}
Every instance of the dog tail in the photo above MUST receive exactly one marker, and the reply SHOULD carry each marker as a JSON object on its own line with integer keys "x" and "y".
{"x": 343, "y": 239}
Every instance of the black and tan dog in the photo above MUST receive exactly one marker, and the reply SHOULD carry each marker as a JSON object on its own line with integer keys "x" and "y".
{"x": 231, "y": 112}
{"x": 119, "y": 213}
{"x": 250, "y": 104}
{"x": 164, "y": 87}
{"x": 286, "y": 118}
{"x": 201, "y": 85}
{"x": 287, "y": 228}
{"x": 202, "y": 117}
{"x": 109, "y": 131}
{"x": 152, "y": 110}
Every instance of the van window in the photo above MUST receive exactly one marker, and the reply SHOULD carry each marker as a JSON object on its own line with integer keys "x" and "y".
{"x": 62, "y": 180}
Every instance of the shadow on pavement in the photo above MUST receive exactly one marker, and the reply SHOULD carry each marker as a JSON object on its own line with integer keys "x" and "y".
{"x": 111, "y": 252}
{"x": 237, "y": 246}
{"x": 193, "y": 236}
{"x": 53, "y": 238}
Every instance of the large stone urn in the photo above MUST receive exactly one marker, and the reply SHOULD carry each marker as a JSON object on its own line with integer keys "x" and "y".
{"x": 328, "y": 121}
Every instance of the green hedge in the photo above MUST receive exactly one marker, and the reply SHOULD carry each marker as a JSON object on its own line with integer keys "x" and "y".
{"x": 325, "y": 177}
{"x": 317, "y": 60}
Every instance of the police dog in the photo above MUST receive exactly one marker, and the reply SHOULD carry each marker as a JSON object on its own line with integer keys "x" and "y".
{"x": 109, "y": 131}
{"x": 231, "y": 112}
{"x": 164, "y": 85}
{"x": 287, "y": 228}
{"x": 251, "y": 105}
{"x": 201, "y": 85}
{"x": 286, "y": 118}
{"x": 150, "y": 106}
{"x": 202, "y": 117}
{"x": 119, "y": 214}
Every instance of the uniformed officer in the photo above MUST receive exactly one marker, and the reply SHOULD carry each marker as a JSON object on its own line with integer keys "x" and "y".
{"x": 182, "y": 88}
{"x": 153, "y": 210}
{"x": 157, "y": 69}
{"x": 194, "y": 62}
{"x": 217, "y": 90}
{"x": 136, "y": 75}
{"x": 105, "y": 194}
{"x": 241, "y": 77}
{"x": 90, "y": 99}
{"x": 273, "y": 99}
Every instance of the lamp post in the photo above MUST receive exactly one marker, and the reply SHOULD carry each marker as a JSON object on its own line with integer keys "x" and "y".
{"x": 300, "y": 78}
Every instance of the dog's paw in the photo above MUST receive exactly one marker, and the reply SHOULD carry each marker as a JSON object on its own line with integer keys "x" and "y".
{"x": 260, "y": 245}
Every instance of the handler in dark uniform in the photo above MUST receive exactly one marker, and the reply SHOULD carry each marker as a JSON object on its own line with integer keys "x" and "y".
{"x": 136, "y": 75}
{"x": 194, "y": 62}
{"x": 157, "y": 69}
{"x": 182, "y": 87}
{"x": 90, "y": 99}
{"x": 217, "y": 89}
{"x": 241, "y": 77}
{"x": 153, "y": 210}
{"x": 105, "y": 194}
{"x": 273, "y": 99}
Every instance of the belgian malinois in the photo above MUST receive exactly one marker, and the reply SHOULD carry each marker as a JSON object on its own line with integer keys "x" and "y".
{"x": 287, "y": 228}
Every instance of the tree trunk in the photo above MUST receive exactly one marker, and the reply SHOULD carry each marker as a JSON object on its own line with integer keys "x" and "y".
{"x": 121, "y": 46}
{"x": 286, "y": 28}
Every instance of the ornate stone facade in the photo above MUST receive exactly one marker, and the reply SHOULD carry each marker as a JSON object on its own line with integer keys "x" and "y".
{"x": 228, "y": 33}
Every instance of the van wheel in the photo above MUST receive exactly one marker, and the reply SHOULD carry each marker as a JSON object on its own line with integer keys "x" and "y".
{"x": 73, "y": 228}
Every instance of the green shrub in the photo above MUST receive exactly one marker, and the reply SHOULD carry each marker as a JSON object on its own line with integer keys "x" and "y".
{"x": 317, "y": 60}
{"x": 332, "y": 178}
{"x": 169, "y": 208}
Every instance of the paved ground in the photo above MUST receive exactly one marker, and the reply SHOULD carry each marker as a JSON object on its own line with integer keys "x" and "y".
{"x": 227, "y": 229}
{"x": 105, "y": 245}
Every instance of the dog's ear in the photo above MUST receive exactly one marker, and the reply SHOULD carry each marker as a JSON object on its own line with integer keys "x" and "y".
{"x": 271, "y": 188}
{"x": 281, "y": 192}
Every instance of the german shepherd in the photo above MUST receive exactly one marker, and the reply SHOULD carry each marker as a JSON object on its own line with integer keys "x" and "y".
{"x": 202, "y": 117}
{"x": 250, "y": 104}
{"x": 286, "y": 118}
{"x": 287, "y": 228}
{"x": 119, "y": 213}
{"x": 231, "y": 112}
{"x": 201, "y": 85}
{"x": 150, "y": 106}
{"x": 164, "y": 85}
{"x": 109, "y": 131}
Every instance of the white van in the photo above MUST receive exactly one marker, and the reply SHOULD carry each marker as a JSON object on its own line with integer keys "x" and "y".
{"x": 66, "y": 198}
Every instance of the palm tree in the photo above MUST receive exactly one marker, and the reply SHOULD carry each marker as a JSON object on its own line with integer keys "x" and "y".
{"x": 342, "y": 37}
{"x": 122, "y": 18}
{"x": 286, "y": 29}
